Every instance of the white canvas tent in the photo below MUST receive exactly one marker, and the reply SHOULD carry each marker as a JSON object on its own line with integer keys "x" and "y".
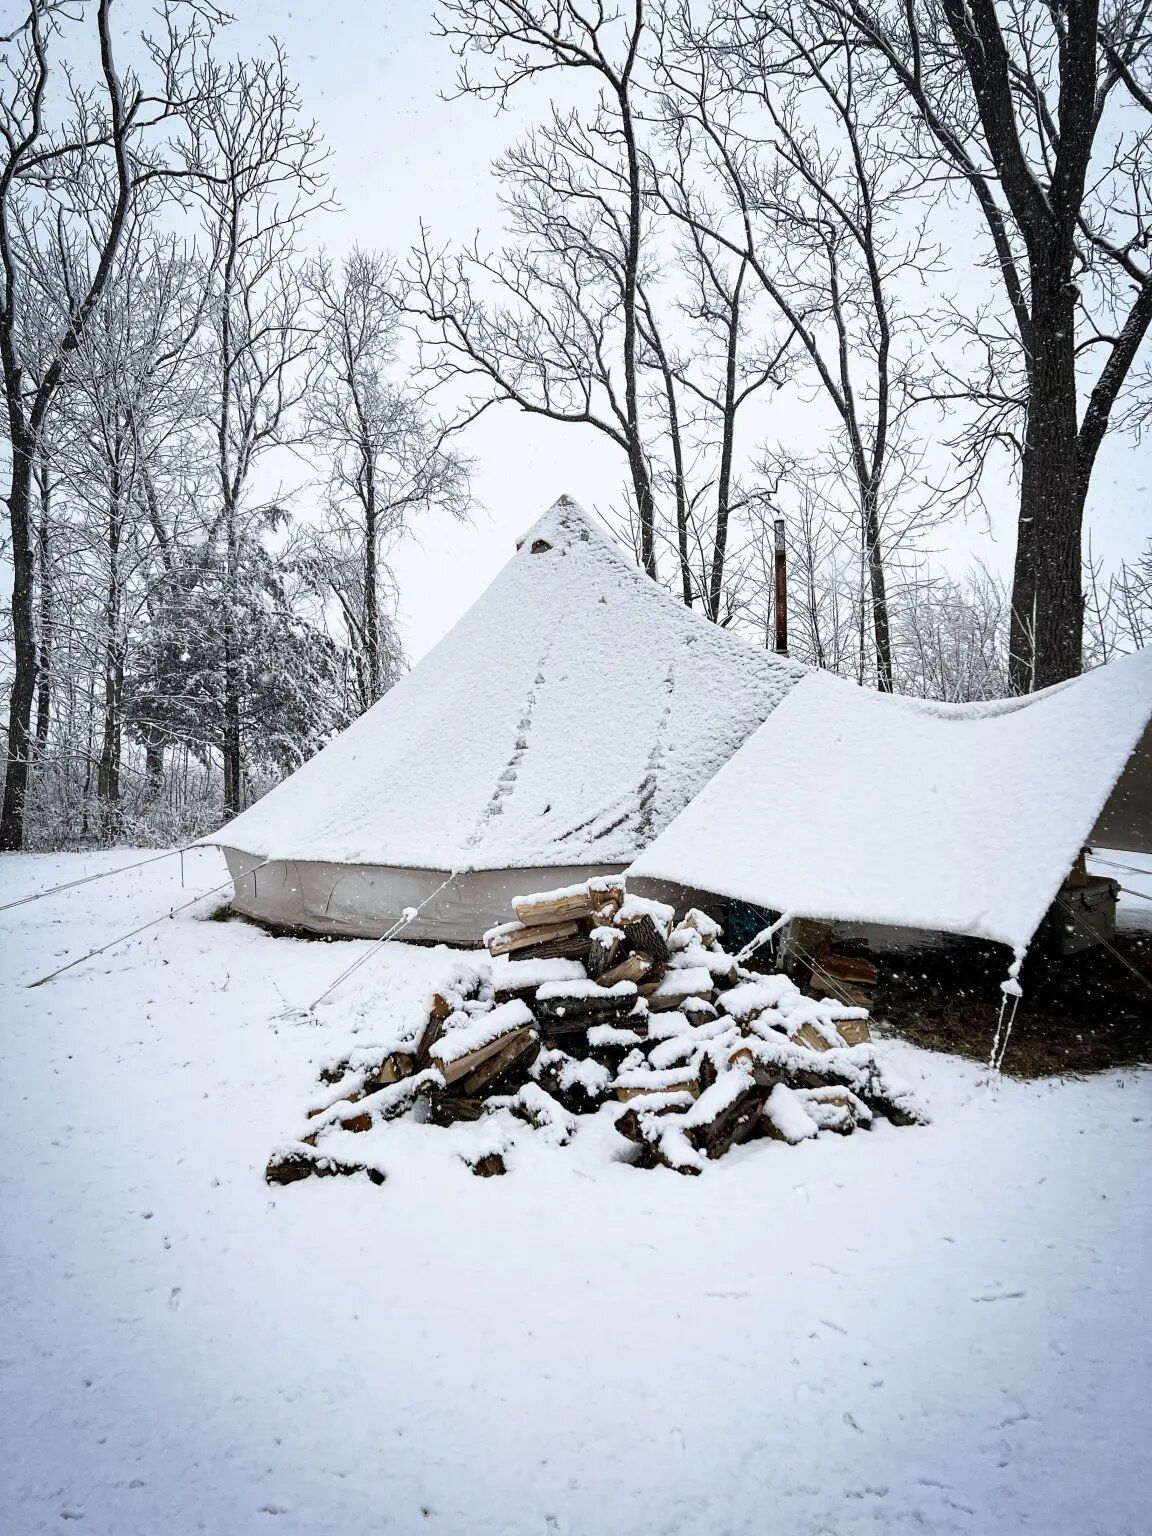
{"x": 565, "y": 720}
{"x": 857, "y": 806}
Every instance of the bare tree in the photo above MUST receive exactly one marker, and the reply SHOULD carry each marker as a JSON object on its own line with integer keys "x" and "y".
{"x": 41, "y": 153}
{"x": 951, "y": 637}
{"x": 1044, "y": 114}
{"x": 257, "y": 173}
{"x": 784, "y": 165}
{"x": 387, "y": 452}
{"x": 129, "y": 389}
{"x": 562, "y": 337}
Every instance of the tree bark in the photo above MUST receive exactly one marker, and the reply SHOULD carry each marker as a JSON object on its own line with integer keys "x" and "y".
{"x": 231, "y": 745}
{"x": 727, "y": 446}
{"x": 878, "y": 588}
{"x": 47, "y": 612}
{"x": 154, "y": 767}
{"x": 1046, "y": 644}
{"x": 108, "y": 772}
{"x": 637, "y": 459}
{"x": 371, "y": 584}
{"x": 24, "y": 642}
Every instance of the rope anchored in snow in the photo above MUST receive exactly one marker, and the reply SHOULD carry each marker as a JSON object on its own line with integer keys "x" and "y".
{"x": 103, "y": 874}
{"x": 143, "y": 928}
{"x": 408, "y": 915}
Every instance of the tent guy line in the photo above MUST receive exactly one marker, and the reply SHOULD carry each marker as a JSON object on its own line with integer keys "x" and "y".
{"x": 408, "y": 916}
{"x": 103, "y": 874}
{"x": 1112, "y": 950}
{"x": 143, "y": 928}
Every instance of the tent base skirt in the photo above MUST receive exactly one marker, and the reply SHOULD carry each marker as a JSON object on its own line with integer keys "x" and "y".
{"x": 365, "y": 900}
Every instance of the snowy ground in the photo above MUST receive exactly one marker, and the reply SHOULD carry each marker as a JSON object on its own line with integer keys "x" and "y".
{"x": 941, "y": 1330}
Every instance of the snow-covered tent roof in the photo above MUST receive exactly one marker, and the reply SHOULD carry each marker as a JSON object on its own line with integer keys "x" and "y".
{"x": 853, "y": 805}
{"x": 571, "y": 713}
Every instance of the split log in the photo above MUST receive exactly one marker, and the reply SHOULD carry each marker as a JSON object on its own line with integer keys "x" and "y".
{"x": 838, "y": 991}
{"x": 810, "y": 1036}
{"x": 361, "y": 1122}
{"x": 289, "y": 1168}
{"x": 537, "y": 942}
{"x": 296, "y": 1163}
{"x": 769, "y": 1074}
{"x": 726, "y": 1113}
{"x": 397, "y": 1065}
{"x": 896, "y": 1105}
{"x": 520, "y": 978}
{"x": 498, "y": 1070}
{"x": 854, "y": 1031}
{"x": 635, "y": 1085}
{"x": 706, "y": 1073}
{"x": 438, "y": 1015}
{"x": 580, "y": 1086}
{"x": 785, "y": 1117}
{"x": 697, "y": 922}
{"x": 564, "y": 1005}
{"x": 803, "y": 941}
{"x": 572, "y": 904}
{"x": 636, "y": 968}
{"x": 605, "y": 916}
{"x": 836, "y": 1109}
{"x": 488, "y": 1165}
{"x": 445, "y": 1109}
{"x": 699, "y": 1010}
{"x": 540, "y": 1110}
{"x": 676, "y": 987}
{"x": 611, "y": 1046}
{"x": 462, "y": 1067}
{"x": 634, "y": 1122}
{"x": 645, "y": 936}
{"x": 851, "y": 968}
{"x": 605, "y": 947}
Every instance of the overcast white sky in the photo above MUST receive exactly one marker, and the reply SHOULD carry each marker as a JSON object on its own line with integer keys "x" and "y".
{"x": 372, "y": 75}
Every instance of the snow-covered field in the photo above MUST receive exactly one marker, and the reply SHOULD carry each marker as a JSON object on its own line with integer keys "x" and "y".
{"x": 937, "y": 1330}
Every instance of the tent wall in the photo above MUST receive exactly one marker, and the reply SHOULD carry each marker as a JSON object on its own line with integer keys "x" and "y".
{"x": 365, "y": 900}
{"x": 1126, "y": 820}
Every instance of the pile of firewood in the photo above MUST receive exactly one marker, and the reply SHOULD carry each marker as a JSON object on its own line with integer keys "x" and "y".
{"x": 599, "y": 998}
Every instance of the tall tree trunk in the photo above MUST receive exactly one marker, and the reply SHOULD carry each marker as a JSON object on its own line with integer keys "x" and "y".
{"x": 637, "y": 459}
{"x": 111, "y": 743}
{"x": 881, "y": 629}
{"x": 727, "y": 444}
{"x": 231, "y": 742}
{"x": 154, "y": 768}
{"x": 108, "y": 772}
{"x": 1046, "y": 636}
{"x": 47, "y": 612}
{"x": 24, "y": 639}
{"x": 371, "y": 585}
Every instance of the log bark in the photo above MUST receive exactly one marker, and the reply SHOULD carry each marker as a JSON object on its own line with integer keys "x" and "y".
{"x": 645, "y": 937}
{"x": 446, "y": 1109}
{"x": 604, "y": 952}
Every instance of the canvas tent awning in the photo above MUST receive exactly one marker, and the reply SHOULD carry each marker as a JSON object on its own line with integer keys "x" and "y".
{"x": 857, "y": 806}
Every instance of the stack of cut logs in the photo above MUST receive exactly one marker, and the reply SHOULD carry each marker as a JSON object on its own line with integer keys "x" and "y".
{"x": 600, "y": 1000}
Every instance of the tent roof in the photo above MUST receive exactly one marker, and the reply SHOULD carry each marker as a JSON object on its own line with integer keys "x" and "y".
{"x": 854, "y": 805}
{"x": 568, "y": 716}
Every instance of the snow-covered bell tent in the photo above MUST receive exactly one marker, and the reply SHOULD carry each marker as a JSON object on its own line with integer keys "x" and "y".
{"x": 852, "y": 806}
{"x": 568, "y": 717}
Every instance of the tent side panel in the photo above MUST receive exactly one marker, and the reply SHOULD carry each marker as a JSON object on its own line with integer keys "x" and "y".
{"x": 365, "y": 900}
{"x": 1126, "y": 820}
